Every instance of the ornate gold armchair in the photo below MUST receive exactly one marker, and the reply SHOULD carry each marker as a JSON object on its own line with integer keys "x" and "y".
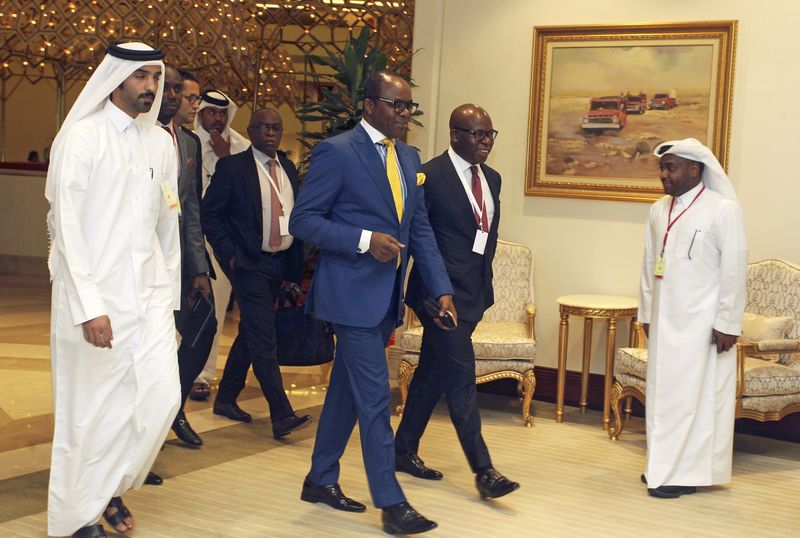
{"x": 765, "y": 390}
{"x": 504, "y": 341}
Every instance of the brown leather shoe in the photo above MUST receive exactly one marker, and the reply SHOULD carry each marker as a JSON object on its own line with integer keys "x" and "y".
{"x": 200, "y": 392}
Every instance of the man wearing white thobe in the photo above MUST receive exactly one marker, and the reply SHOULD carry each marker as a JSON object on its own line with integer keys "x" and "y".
{"x": 115, "y": 268}
{"x": 212, "y": 125}
{"x": 691, "y": 304}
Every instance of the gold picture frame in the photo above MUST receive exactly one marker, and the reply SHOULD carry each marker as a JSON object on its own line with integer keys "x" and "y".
{"x": 602, "y": 98}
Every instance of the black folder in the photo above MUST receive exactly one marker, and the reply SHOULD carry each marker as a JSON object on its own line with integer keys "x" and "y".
{"x": 202, "y": 312}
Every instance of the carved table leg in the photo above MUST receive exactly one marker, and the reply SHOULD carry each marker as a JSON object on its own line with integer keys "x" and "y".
{"x": 610, "y": 345}
{"x": 587, "y": 354}
{"x": 563, "y": 334}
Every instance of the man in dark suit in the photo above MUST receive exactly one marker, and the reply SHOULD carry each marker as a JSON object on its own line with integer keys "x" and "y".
{"x": 462, "y": 195}
{"x": 245, "y": 214}
{"x": 192, "y": 354}
{"x": 362, "y": 203}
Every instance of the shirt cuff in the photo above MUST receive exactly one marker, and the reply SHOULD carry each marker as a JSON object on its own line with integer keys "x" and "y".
{"x": 363, "y": 243}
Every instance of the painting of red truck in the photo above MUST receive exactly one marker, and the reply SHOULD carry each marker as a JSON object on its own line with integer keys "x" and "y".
{"x": 610, "y": 106}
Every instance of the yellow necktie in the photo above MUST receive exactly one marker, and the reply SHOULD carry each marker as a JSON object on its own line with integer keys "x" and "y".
{"x": 393, "y": 171}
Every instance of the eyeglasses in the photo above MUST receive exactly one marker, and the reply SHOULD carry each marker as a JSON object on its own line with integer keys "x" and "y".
{"x": 479, "y": 134}
{"x": 191, "y": 97}
{"x": 398, "y": 105}
{"x": 262, "y": 128}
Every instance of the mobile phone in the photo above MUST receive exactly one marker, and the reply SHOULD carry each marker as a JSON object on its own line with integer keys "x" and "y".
{"x": 432, "y": 308}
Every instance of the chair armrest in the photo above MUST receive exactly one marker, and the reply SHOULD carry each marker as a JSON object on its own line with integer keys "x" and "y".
{"x": 639, "y": 338}
{"x": 530, "y": 318}
{"x": 777, "y": 346}
{"x": 411, "y": 319}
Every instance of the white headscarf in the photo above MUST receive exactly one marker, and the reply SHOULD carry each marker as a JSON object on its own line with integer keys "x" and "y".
{"x": 111, "y": 72}
{"x": 217, "y": 99}
{"x": 714, "y": 177}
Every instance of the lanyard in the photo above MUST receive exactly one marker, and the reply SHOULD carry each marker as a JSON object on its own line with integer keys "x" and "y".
{"x": 670, "y": 222}
{"x": 272, "y": 182}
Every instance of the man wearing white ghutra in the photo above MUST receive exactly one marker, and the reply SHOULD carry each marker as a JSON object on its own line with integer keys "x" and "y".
{"x": 691, "y": 304}
{"x": 115, "y": 266}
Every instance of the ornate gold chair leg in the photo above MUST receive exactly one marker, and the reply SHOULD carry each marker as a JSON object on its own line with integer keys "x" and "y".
{"x": 404, "y": 373}
{"x": 628, "y": 407}
{"x": 529, "y": 382}
{"x": 615, "y": 427}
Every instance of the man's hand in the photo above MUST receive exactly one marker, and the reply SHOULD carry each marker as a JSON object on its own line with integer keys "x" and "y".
{"x": 724, "y": 341}
{"x": 446, "y": 305}
{"x": 384, "y": 247}
{"x": 97, "y": 332}
{"x": 646, "y": 327}
{"x": 221, "y": 147}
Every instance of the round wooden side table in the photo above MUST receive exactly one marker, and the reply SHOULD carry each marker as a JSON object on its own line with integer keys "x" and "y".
{"x": 609, "y": 307}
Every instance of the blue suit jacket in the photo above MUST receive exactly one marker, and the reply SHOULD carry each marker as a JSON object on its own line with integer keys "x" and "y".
{"x": 347, "y": 190}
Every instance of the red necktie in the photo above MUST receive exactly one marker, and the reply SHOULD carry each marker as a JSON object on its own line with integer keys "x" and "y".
{"x": 477, "y": 192}
{"x": 275, "y": 209}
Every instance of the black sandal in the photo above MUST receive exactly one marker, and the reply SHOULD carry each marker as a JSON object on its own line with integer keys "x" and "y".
{"x": 92, "y": 531}
{"x": 117, "y": 517}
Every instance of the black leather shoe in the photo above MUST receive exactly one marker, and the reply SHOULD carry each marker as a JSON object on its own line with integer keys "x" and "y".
{"x": 285, "y": 426}
{"x": 671, "y": 492}
{"x": 401, "y": 518}
{"x": 413, "y": 465}
{"x": 153, "y": 479}
{"x": 232, "y": 411}
{"x": 183, "y": 430}
{"x": 92, "y": 531}
{"x": 330, "y": 494}
{"x": 492, "y": 484}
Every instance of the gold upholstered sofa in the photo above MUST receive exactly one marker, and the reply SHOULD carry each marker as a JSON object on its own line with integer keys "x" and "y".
{"x": 504, "y": 341}
{"x": 768, "y": 353}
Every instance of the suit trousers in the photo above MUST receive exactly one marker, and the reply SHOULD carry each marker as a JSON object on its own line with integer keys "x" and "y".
{"x": 255, "y": 290}
{"x": 446, "y": 365}
{"x": 359, "y": 391}
{"x": 191, "y": 360}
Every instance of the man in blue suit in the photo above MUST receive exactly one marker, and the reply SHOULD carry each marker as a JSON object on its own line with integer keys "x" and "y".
{"x": 363, "y": 203}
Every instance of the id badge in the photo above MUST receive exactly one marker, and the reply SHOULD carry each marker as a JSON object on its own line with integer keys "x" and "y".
{"x": 660, "y": 267}
{"x": 283, "y": 222}
{"x": 169, "y": 197}
{"x": 479, "y": 246}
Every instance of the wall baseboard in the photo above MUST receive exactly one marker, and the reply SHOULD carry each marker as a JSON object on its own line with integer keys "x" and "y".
{"x": 787, "y": 429}
{"x": 12, "y": 264}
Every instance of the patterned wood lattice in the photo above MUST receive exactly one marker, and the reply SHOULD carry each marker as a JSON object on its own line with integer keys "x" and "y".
{"x": 255, "y": 50}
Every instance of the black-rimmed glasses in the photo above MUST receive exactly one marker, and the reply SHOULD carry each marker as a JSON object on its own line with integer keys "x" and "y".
{"x": 398, "y": 105}
{"x": 479, "y": 134}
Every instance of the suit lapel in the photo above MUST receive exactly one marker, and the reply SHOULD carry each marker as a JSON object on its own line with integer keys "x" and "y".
{"x": 368, "y": 154}
{"x": 456, "y": 186}
{"x": 409, "y": 177}
{"x": 494, "y": 188}
{"x": 252, "y": 184}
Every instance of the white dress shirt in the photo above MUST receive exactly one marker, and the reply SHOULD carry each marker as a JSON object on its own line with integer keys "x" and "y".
{"x": 465, "y": 174}
{"x": 286, "y": 195}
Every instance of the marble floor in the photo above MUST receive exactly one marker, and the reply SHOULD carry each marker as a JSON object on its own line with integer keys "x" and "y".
{"x": 243, "y": 483}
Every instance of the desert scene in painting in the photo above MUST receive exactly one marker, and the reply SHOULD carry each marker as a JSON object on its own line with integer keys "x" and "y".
{"x": 610, "y": 106}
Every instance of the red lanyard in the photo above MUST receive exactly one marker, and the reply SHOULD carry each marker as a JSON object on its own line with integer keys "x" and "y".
{"x": 671, "y": 222}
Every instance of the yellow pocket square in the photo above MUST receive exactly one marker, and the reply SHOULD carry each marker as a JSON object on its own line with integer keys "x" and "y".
{"x": 420, "y": 179}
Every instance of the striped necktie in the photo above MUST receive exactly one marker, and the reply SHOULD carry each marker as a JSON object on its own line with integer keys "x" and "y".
{"x": 393, "y": 172}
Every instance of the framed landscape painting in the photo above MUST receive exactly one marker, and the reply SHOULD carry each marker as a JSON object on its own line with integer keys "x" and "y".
{"x": 603, "y": 97}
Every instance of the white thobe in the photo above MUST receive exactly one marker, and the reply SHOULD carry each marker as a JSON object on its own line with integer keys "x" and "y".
{"x": 691, "y": 389}
{"x": 222, "y": 286}
{"x": 115, "y": 252}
